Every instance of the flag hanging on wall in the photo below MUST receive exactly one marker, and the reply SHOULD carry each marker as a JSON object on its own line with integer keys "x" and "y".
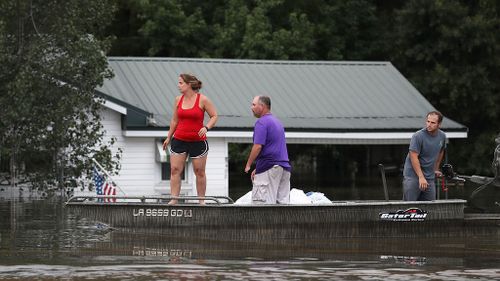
{"x": 102, "y": 185}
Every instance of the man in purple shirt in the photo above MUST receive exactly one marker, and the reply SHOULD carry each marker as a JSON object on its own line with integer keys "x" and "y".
{"x": 271, "y": 177}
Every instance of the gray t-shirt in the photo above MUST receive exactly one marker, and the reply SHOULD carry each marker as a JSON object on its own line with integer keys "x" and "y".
{"x": 428, "y": 148}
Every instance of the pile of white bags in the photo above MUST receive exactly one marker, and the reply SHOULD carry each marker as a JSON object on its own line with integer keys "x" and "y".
{"x": 297, "y": 197}
{"x": 318, "y": 198}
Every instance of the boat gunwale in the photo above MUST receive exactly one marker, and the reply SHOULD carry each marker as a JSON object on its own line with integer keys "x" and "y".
{"x": 231, "y": 204}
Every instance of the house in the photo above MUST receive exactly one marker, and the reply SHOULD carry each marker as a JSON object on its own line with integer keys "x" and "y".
{"x": 319, "y": 102}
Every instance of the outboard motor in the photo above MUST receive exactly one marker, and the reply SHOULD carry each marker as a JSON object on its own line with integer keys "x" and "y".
{"x": 447, "y": 171}
{"x": 486, "y": 196}
{"x": 483, "y": 198}
{"x": 449, "y": 174}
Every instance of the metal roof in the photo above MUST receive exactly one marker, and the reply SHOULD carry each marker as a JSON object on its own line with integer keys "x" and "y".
{"x": 305, "y": 95}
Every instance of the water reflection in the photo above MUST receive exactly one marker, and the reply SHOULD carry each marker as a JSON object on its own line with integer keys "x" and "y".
{"x": 41, "y": 240}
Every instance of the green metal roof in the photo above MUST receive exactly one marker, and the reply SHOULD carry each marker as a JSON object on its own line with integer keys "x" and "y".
{"x": 305, "y": 95}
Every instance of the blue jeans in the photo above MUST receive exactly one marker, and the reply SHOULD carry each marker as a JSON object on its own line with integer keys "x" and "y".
{"x": 411, "y": 191}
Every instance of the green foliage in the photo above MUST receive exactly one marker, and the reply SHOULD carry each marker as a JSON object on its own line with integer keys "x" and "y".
{"x": 173, "y": 28}
{"x": 348, "y": 30}
{"x": 239, "y": 153}
{"x": 293, "y": 41}
{"x": 278, "y": 29}
{"x": 450, "y": 50}
{"x": 53, "y": 58}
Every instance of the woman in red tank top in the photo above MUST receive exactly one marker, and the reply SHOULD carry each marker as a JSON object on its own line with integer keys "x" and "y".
{"x": 190, "y": 121}
{"x": 187, "y": 134}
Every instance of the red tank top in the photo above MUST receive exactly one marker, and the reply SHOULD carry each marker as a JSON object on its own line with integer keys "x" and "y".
{"x": 190, "y": 121}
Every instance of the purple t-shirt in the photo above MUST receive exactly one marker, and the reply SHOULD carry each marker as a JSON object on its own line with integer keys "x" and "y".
{"x": 269, "y": 132}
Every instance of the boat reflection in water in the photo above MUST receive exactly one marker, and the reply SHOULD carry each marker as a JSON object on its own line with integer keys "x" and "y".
{"x": 452, "y": 251}
{"x": 44, "y": 239}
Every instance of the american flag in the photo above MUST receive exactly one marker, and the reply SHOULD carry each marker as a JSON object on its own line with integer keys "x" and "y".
{"x": 102, "y": 186}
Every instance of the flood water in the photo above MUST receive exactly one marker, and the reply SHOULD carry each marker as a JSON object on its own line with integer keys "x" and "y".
{"x": 41, "y": 240}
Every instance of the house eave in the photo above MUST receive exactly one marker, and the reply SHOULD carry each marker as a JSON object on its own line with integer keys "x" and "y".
{"x": 361, "y": 137}
{"x": 114, "y": 106}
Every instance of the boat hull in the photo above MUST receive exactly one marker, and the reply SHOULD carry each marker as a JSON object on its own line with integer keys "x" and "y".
{"x": 440, "y": 218}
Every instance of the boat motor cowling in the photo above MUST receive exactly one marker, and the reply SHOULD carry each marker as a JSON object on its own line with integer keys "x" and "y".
{"x": 447, "y": 171}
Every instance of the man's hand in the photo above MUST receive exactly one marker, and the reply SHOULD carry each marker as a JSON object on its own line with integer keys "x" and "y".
{"x": 422, "y": 183}
{"x": 254, "y": 152}
{"x": 252, "y": 175}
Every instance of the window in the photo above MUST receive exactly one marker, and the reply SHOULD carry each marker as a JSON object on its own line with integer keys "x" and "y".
{"x": 165, "y": 172}
{"x": 163, "y": 158}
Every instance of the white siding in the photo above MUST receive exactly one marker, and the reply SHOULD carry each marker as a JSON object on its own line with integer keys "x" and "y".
{"x": 136, "y": 176}
{"x": 140, "y": 173}
{"x": 217, "y": 167}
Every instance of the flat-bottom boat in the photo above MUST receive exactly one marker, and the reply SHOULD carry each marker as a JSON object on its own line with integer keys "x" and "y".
{"x": 222, "y": 219}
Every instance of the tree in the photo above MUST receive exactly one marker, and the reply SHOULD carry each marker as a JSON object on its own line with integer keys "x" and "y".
{"x": 228, "y": 30}
{"x": 52, "y": 60}
{"x": 173, "y": 28}
{"x": 348, "y": 30}
{"x": 450, "y": 50}
{"x": 124, "y": 28}
{"x": 290, "y": 36}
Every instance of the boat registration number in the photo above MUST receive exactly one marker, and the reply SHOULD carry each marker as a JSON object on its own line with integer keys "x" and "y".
{"x": 177, "y": 213}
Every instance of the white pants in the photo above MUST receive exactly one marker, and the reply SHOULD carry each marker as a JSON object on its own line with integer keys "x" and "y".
{"x": 271, "y": 186}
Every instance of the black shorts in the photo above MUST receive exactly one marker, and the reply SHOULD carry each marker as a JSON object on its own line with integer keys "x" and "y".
{"x": 195, "y": 149}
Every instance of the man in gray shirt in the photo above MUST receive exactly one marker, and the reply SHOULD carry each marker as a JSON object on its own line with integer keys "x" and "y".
{"x": 423, "y": 161}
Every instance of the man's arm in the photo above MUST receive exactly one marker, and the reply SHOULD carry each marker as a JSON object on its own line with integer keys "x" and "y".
{"x": 437, "y": 165}
{"x": 415, "y": 163}
{"x": 256, "y": 148}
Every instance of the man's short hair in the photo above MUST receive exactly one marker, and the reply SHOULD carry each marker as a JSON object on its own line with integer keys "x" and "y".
{"x": 438, "y": 114}
{"x": 265, "y": 100}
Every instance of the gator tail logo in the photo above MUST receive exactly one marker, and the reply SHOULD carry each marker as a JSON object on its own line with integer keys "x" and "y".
{"x": 411, "y": 214}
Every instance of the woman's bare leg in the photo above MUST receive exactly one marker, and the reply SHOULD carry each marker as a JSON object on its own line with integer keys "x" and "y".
{"x": 199, "y": 165}
{"x": 177, "y": 163}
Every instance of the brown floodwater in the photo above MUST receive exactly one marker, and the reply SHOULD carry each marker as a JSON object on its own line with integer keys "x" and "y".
{"x": 41, "y": 240}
